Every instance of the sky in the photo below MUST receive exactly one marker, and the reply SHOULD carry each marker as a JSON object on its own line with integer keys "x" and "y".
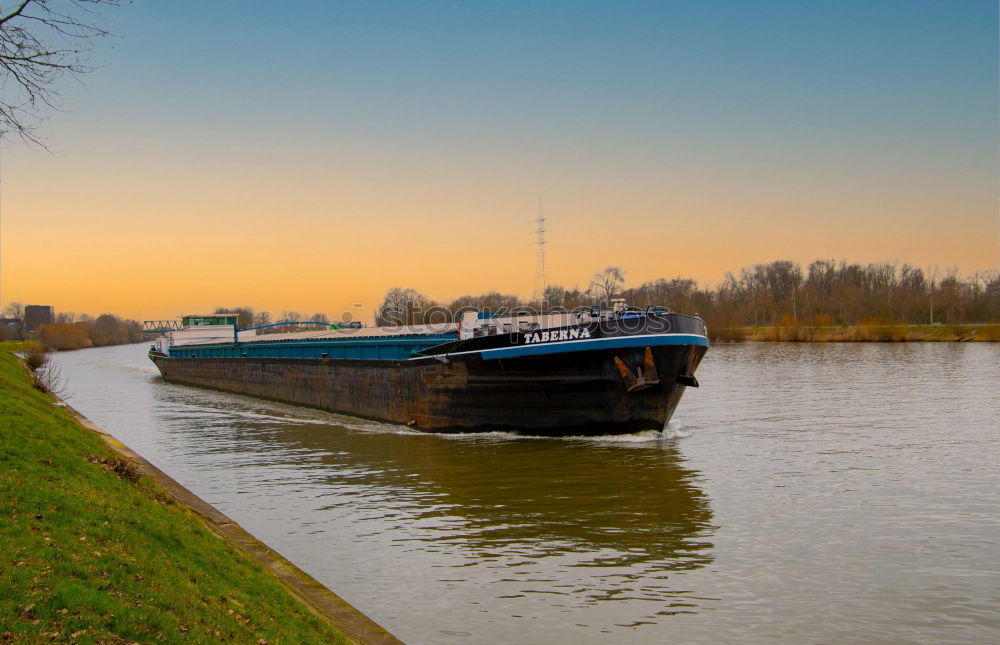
{"x": 308, "y": 156}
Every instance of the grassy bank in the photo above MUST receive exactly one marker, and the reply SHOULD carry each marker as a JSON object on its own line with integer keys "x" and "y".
{"x": 93, "y": 552}
{"x": 862, "y": 333}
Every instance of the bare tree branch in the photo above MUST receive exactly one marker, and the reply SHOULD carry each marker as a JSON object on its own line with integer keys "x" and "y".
{"x": 17, "y": 12}
{"x": 607, "y": 281}
{"x": 40, "y": 42}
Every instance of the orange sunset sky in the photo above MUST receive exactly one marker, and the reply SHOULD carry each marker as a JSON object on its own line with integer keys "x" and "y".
{"x": 309, "y": 161}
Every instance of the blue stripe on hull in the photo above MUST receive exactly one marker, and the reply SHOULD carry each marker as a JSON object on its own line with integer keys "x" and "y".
{"x": 387, "y": 348}
{"x": 589, "y": 344}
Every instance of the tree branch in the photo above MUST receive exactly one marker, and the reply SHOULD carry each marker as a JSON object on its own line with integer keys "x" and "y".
{"x": 17, "y": 12}
{"x": 40, "y": 41}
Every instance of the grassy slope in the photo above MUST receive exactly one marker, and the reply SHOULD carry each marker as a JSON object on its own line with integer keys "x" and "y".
{"x": 95, "y": 558}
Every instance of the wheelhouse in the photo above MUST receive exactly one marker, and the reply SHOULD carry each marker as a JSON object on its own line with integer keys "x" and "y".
{"x": 208, "y": 320}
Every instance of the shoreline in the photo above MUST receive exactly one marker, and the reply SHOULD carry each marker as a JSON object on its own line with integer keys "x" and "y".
{"x": 317, "y": 597}
{"x": 347, "y": 622}
{"x": 980, "y": 332}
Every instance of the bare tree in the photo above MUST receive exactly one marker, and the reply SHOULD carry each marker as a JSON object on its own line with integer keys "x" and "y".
{"x": 244, "y": 315}
{"x": 45, "y": 373}
{"x": 15, "y": 310}
{"x": 607, "y": 281}
{"x": 490, "y": 301}
{"x": 319, "y": 318}
{"x": 260, "y": 319}
{"x": 400, "y": 307}
{"x": 934, "y": 275}
{"x": 554, "y": 297}
{"x": 289, "y": 316}
{"x": 40, "y": 42}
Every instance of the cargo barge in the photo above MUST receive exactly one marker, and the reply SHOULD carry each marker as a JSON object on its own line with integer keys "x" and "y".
{"x": 580, "y": 373}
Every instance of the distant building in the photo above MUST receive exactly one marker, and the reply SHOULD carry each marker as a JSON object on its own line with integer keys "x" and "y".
{"x": 35, "y": 315}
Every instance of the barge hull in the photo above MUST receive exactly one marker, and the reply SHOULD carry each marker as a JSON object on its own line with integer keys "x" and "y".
{"x": 566, "y": 394}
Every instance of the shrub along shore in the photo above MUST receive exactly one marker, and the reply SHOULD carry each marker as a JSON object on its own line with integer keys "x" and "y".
{"x": 95, "y": 551}
{"x": 870, "y": 333}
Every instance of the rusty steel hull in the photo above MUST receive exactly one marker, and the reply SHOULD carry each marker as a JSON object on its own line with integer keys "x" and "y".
{"x": 554, "y": 394}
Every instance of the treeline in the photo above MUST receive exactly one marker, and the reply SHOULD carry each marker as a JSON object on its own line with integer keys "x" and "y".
{"x": 248, "y": 317}
{"x": 780, "y": 293}
{"x": 830, "y": 293}
{"x": 72, "y": 332}
{"x": 826, "y": 293}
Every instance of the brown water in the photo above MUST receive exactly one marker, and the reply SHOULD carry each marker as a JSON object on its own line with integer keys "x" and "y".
{"x": 812, "y": 493}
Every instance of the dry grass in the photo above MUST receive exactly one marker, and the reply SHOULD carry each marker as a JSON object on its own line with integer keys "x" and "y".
{"x": 125, "y": 469}
{"x": 35, "y": 355}
{"x": 876, "y": 331}
{"x": 45, "y": 375}
{"x": 723, "y": 329}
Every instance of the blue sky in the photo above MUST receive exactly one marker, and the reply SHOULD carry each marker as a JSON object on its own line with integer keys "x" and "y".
{"x": 754, "y": 124}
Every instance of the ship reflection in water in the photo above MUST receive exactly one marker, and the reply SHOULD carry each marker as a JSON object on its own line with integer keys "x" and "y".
{"x": 416, "y": 523}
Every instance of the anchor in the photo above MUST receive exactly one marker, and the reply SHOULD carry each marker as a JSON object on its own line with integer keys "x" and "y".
{"x": 645, "y": 375}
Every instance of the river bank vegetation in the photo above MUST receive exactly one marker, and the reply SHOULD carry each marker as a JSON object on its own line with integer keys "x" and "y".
{"x": 777, "y": 301}
{"x": 106, "y": 329}
{"x": 69, "y": 331}
{"x": 827, "y": 294}
{"x": 873, "y": 330}
{"x": 96, "y": 552}
{"x": 826, "y": 301}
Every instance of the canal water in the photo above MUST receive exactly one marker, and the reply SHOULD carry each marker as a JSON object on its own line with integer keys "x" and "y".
{"x": 812, "y": 493}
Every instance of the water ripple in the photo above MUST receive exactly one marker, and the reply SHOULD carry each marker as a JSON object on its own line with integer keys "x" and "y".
{"x": 810, "y": 492}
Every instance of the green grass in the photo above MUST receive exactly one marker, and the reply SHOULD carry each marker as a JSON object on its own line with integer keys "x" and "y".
{"x": 91, "y": 557}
